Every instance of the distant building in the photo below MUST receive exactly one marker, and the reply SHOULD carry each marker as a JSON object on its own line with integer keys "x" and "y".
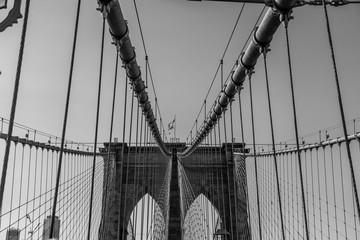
{"x": 47, "y": 226}
{"x": 13, "y": 234}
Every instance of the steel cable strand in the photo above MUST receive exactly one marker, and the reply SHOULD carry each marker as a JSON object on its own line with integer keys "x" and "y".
{"x": 128, "y": 160}
{"x": 245, "y": 179}
{"x": 296, "y": 126}
{"x": 12, "y": 185}
{"x": 222, "y": 179}
{"x": 148, "y": 69}
{"x": 224, "y": 53}
{"x": 228, "y": 180}
{"x": 96, "y": 127}
{"x": 13, "y": 106}
{"x": 146, "y": 134}
{"x": 136, "y": 171}
{"x": 139, "y": 163}
{"x": 193, "y": 145}
{"x": 235, "y": 180}
{"x": 347, "y": 142}
{"x": 65, "y": 119}
{"x": 254, "y": 149}
{"x": 122, "y": 157}
{"x": 273, "y": 140}
{"x": 107, "y": 166}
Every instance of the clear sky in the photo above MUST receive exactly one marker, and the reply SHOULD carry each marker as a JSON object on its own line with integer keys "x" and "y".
{"x": 185, "y": 41}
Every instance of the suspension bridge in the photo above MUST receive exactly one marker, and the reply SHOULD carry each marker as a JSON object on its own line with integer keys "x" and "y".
{"x": 271, "y": 154}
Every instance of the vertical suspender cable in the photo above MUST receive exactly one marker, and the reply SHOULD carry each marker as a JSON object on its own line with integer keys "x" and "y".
{"x": 254, "y": 149}
{"x": 342, "y": 111}
{"x": 110, "y": 135}
{"x": 96, "y": 128}
{"x": 128, "y": 160}
{"x": 296, "y": 128}
{"x": 228, "y": 180}
{"x": 143, "y": 179}
{"x": 65, "y": 120}
{"x": 135, "y": 189}
{"x": 221, "y": 177}
{"x": 217, "y": 174}
{"x": 122, "y": 157}
{"x": 273, "y": 141}
{"x": 13, "y": 106}
{"x": 235, "y": 180}
{"x": 243, "y": 141}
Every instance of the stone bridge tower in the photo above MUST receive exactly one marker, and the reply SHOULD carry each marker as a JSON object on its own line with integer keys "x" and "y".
{"x": 174, "y": 183}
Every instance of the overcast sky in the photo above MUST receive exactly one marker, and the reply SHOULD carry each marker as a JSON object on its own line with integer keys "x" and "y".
{"x": 185, "y": 41}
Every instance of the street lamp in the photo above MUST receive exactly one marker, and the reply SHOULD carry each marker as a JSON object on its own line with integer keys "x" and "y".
{"x": 12, "y": 16}
{"x": 3, "y": 4}
{"x": 220, "y": 234}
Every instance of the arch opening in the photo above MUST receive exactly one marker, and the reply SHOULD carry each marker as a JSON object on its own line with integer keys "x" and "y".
{"x": 146, "y": 221}
{"x": 202, "y": 220}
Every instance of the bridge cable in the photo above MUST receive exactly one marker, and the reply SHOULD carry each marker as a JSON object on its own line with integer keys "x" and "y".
{"x": 295, "y": 124}
{"x": 146, "y": 56}
{"x": 264, "y": 52}
{"x": 211, "y": 192}
{"x": 135, "y": 189}
{"x": 224, "y": 53}
{"x": 212, "y": 180}
{"x": 206, "y": 163}
{"x": 138, "y": 170}
{"x": 217, "y": 174}
{"x": 234, "y": 169}
{"x": 107, "y": 168}
{"x": 13, "y": 106}
{"x": 143, "y": 180}
{"x": 154, "y": 189}
{"x": 148, "y": 174}
{"x": 122, "y": 156}
{"x": 254, "y": 149}
{"x": 12, "y": 183}
{"x": 342, "y": 110}
{"x": 227, "y": 177}
{"x": 235, "y": 63}
{"x": 222, "y": 177}
{"x": 232, "y": 33}
{"x": 96, "y": 126}
{"x": 128, "y": 161}
{"x": 28, "y": 184}
{"x": 65, "y": 119}
{"x": 243, "y": 140}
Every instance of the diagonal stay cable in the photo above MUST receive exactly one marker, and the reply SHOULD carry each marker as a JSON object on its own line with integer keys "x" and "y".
{"x": 65, "y": 120}
{"x": 240, "y": 54}
{"x": 146, "y": 56}
{"x": 234, "y": 28}
{"x": 347, "y": 142}
{"x": 13, "y": 107}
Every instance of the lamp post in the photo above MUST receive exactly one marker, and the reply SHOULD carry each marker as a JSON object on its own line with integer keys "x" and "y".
{"x": 13, "y": 14}
{"x": 3, "y": 4}
{"x": 220, "y": 234}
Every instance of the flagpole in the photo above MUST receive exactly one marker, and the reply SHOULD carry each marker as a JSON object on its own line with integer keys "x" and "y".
{"x": 175, "y": 129}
